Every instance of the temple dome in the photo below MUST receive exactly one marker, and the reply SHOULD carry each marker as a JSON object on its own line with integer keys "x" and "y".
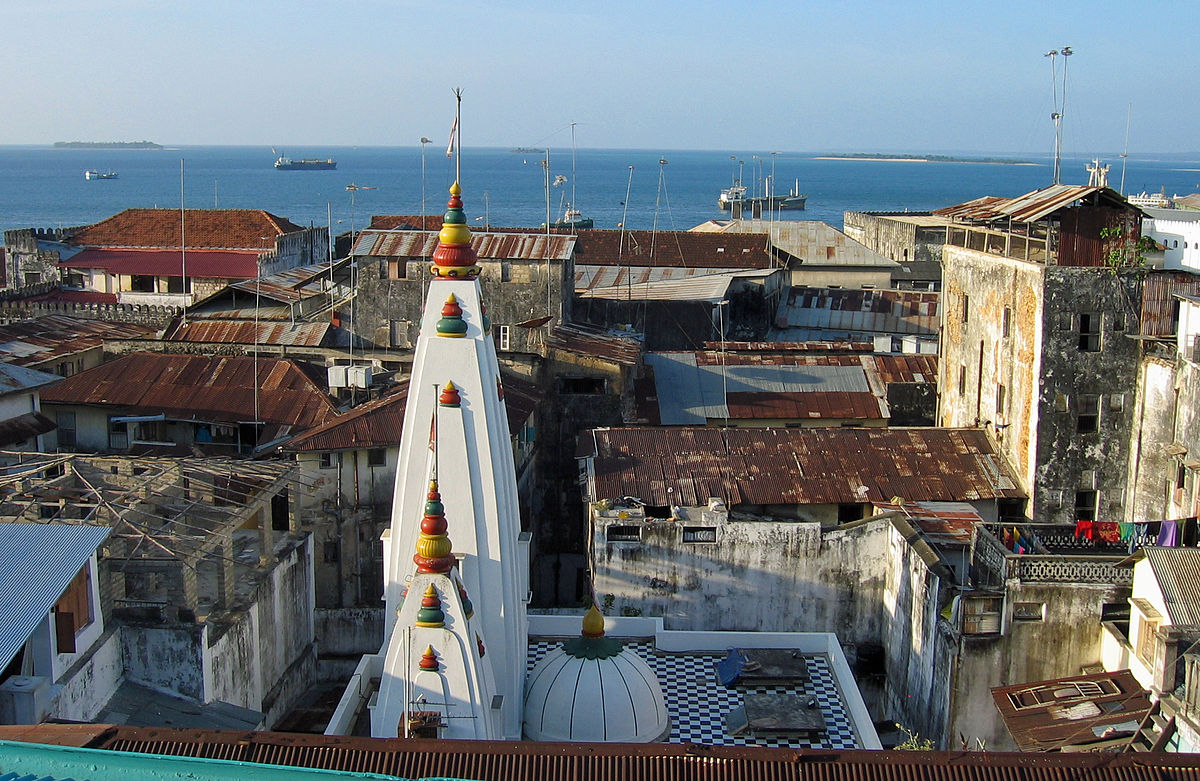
{"x": 593, "y": 689}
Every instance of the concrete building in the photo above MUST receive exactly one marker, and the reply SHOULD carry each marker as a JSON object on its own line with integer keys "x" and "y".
{"x": 1177, "y": 231}
{"x": 154, "y": 257}
{"x": 152, "y": 403}
{"x": 912, "y": 239}
{"x": 201, "y": 593}
{"x": 1039, "y": 295}
{"x": 22, "y": 424}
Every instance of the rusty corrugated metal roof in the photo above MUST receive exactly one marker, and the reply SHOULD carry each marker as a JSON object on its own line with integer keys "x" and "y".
{"x": 982, "y": 208}
{"x": 289, "y": 285}
{"x": 827, "y": 405}
{"x": 45, "y": 339}
{"x": 1061, "y": 714}
{"x": 1032, "y": 206}
{"x": 588, "y": 277}
{"x": 685, "y": 249}
{"x": 210, "y": 388}
{"x": 581, "y": 340}
{"x": 290, "y": 334}
{"x": 889, "y": 368}
{"x": 861, "y": 311}
{"x": 24, "y": 427}
{"x": 529, "y": 761}
{"x": 1158, "y": 300}
{"x": 225, "y": 229}
{"x": 953, "y": 520}
{"x": 489, "y": 245}
{"x": 797, "y": 466}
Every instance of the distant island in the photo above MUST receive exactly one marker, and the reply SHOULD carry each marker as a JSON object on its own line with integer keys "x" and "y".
{"x": 923, "y": 158}
{"x": 106, "y": 145}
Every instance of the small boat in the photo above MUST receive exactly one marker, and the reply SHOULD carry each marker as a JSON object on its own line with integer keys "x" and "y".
{"x": 735, "y": 196}
{"x": 307, "y": 164}
{"x": 573, "y": 219}
{"x": 94, "y": 174}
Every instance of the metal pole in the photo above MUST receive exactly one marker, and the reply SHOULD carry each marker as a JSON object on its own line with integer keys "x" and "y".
{"x": 183, "y": 243}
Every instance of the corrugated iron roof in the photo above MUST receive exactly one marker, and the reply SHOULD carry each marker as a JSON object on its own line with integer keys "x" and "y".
{"x": 290, "y": 334}
{"x": 797, "y": 466}
{"x": 44, "y": 339}
{"x": 820, "y": 244}
{"x": 31, "y": 581}
{"x": 581, "y": 340}
{"x": 1177, "y": 571}
{"x": 685, "y": 249}
{"x": 943, "y": 521}
{"x": 708, "y": 287}
{"x": 209, "y": 388}
{"x": 18, "y": 379}
{"x": 1032, "y": 206}
{"x": 828, "y": 405}
{"x": 589, "y": 277}
{"x": 529, "y": 761}
{"x": 226, "y": 229}
{"x": 489, "y": 245}
{"x": 889, "y": 368}
{"x": 289, "y": 285}
{"x": 1158, "y": 300}
{"x": 1071, "y": 713}
{"x": 861, "y": 311}
{"x": 206, "y": 264}
{"x": 24, "y": 427}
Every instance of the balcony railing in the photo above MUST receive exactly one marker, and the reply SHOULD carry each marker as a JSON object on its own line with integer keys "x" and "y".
{"x": 1056, "y": 556}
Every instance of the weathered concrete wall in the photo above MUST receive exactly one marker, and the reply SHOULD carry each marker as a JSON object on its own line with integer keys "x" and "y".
{"x": 165, "y": 658}
{"x": 88, "y": 685}
{"x": 1067, "y": 639}
{"x": 894, "y": 238}
{"x": 343, "y": 637}
{"x": 1067, "y": 460}
{"x": 977, "y": 356}
{"x": 16, "y": 309}
{"x": 1151, "y": 467}
{"x": 840, "y": 276}
{"x": 266, "y": 657}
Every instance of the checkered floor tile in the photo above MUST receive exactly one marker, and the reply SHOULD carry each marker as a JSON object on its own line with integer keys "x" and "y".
{"x": 698, "y": 703}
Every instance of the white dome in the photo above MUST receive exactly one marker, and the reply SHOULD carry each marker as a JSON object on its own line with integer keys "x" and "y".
{"x": 614, "y": 698}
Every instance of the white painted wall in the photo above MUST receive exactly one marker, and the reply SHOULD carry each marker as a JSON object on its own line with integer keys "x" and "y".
{"x": 88, "y": 686}
{"x": 1181, "y": 237}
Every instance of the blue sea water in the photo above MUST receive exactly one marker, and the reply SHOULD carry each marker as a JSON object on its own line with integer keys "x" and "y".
{"x": 45, "y": 187}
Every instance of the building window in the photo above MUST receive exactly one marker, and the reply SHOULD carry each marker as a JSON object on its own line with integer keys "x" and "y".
{"x": 981, "y": 615}
{"x": 1087, "y": 417}
{"x": 570, "y": 386}
{"x": 699, "y": 533}
{"x": 1118, "y": 321}
{"x": 1029, "y": 611}
{"x": 1000, "y": 399}
{"x": 141, "y": 283}
{"x": 1089, "y": 332}
{"x": 118, "y": 435}
{"x": 962, "y": 380}
{"x": 32, "y": 277}
{"x": 503, "y": 334}
{"x": 331, "y": 551}
{"x": 1085, "y": 505}
{"x": 376, "y": 456}
{"x": 179, "y": 284}
{"x": 966, "y": 307}
{"x": 396, "y": 268}
{"x": 623, "y": 533}
{"x": 1006, "y": 322}
{"x": 327, "y": 461}
{"x": 66, "y": 428}
{"x": 1147, "y": 635}
{"x": 74, "y": 611}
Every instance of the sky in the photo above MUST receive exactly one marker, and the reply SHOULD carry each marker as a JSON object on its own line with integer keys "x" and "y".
{"x": 797, "y": 75}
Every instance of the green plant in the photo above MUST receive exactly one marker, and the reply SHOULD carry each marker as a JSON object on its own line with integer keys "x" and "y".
{"x": 606, "y": 605}
{"x": 913, "y": 742}
{"x": 1123, "y": 252}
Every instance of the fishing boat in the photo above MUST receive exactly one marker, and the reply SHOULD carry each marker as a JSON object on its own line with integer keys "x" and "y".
{"x": 572, "y": 218}
{"x": 307, "y": 164}
{"x": 735, "y": 196}
{"x": 95, "y": 174}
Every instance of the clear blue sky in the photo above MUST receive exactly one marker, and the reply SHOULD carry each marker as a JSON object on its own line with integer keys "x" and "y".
{"x": 796, "y": 76}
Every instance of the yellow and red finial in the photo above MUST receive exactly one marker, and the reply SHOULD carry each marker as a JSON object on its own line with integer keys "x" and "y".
{"x": 433, "y": 545}
{"x": 593, "y": 623}
{"x": 454, "y": 257}
{"x": 428, "y": 659}
{"x": 449, "y": 397}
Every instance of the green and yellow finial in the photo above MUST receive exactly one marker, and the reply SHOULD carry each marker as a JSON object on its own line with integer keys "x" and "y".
{"x": 433, "y": 544}
{"x": 430, "y": 613}
{"x": 454, "y": 257}
{"x": 451, "y": 323}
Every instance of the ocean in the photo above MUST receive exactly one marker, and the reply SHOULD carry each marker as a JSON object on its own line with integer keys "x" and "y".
{"x": 44, "y": 187}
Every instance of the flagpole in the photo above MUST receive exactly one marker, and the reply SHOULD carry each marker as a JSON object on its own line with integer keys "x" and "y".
{"x": 458, "y": 144}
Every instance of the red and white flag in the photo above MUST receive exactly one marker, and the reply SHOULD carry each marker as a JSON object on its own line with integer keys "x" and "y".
{"x": 453, "y": 133}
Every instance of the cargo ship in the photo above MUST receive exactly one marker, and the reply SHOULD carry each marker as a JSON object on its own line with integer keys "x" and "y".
{"x": 307, "y": 164}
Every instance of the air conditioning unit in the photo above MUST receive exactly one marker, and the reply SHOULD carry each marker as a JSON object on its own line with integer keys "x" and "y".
{"x": 358, "y": 376}
{"x": 337, "y": 376}
{"x": 24, "y": 699}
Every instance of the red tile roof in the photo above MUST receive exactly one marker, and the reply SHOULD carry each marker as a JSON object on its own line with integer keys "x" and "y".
{"x": 204, "y": 228}
{"x": 796, "y": 466}
{"x": 217, "y": 389}
{"x": 672, "y": 248}
{"x": 207, "y": 264}
{"x": 529, "y": 761}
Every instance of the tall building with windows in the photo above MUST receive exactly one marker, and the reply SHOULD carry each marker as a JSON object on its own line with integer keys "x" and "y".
{"x": 1041, "y": 297}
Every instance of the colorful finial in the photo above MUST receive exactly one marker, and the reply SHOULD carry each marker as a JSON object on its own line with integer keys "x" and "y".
{"x": 591, "y": 643}
{"x": 454, "y": 257}
{"x": 449, "y": 396}
{"x": 468, "y": 608}
{"x": 429, "y": 660}
{"x": 431, "y": 614}
{"x": 451, "y": 323}
{"x": 433, "y": 545}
